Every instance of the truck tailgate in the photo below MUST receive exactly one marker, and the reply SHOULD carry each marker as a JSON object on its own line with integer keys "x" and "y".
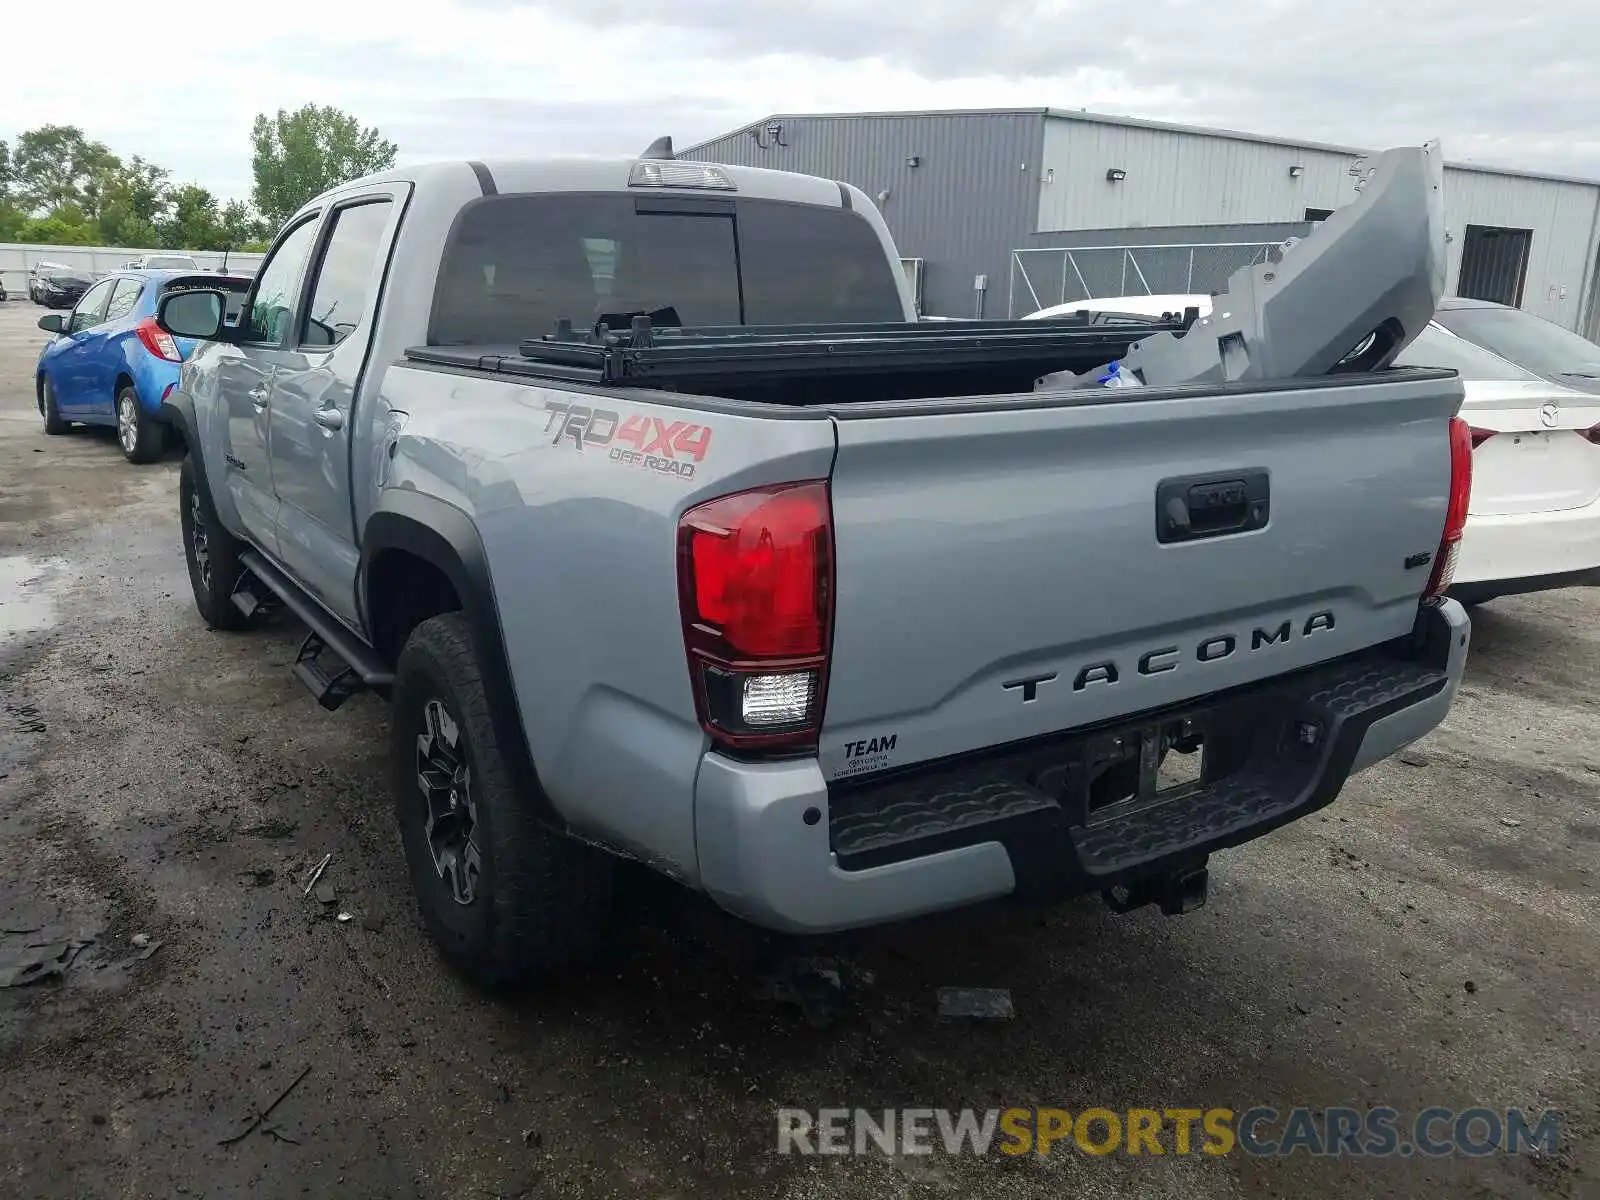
{"x": 1002, "y": 570}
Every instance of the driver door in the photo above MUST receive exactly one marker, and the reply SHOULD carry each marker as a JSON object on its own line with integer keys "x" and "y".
{"x": 245, "y": 370}
{"x": 74, "y": 363}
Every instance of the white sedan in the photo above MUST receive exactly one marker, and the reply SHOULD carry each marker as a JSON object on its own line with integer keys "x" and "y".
{"x": 1534, "y": 518}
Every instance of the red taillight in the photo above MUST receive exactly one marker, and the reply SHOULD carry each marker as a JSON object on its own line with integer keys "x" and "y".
{"x": 755, "y": 577}
{"x": 157, "y": 340}
{"x": 1593, "y": 435}
{"x": 1455, "y": 514}
{"x": 1480, "y": 436}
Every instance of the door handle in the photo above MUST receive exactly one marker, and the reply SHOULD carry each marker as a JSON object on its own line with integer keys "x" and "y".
{"x": 1194, "y": 507}
{"x": 329, "y": 418}
{"x": 258, "y": 397}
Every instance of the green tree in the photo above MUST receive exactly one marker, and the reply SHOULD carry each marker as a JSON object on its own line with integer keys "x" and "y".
{"x": 300, "y": 154}
{"x": 240, "y": 225}
{"x": 66, "y": 225}
{"x": 11, "y": 217}
{"x": 129, "y": 201}
{"x": 57, "y": 165}
{"x": 193, "y": 222}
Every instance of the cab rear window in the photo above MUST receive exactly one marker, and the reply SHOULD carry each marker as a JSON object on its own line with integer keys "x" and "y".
{"x": 233, "y": 290}
{"x": 515, "y": 265}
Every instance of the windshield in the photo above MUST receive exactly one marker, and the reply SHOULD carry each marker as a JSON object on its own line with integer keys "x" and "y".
{"x": 157, "y": 262}
{"x": 1530, "y": 341}
{"x": 515, "y": 265}
{"x": 1434, "y": 347}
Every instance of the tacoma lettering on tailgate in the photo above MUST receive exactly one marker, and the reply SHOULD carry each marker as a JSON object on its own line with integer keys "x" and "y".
{"x": 1166, "y": 658}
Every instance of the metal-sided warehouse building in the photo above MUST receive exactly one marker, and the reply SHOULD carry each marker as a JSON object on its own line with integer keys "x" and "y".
{"x": 1001, "y": 212}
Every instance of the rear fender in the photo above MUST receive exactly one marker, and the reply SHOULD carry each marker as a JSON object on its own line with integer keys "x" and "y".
{"x": 444, "y": 536}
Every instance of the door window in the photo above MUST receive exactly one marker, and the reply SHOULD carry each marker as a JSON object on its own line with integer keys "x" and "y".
{"x": 278, "y": 288}
{"x": 123, "y": 298}
{"x": 91, "y": 307}
{"x": 344, "y": 284}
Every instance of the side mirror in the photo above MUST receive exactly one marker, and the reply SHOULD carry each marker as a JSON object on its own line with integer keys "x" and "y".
{"x": 51, "y": 323}
{"x": 196, "y": 314}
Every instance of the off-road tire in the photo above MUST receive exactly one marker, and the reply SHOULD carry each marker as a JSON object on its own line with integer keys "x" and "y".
{"x": 541, "y": 899}
{"x": 214, "y": 577}
{"x": 149, "y": 436}
{"x": 54, "y": 422}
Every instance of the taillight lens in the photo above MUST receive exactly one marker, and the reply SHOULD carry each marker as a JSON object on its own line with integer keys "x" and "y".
{"x": 1480, "y": 436}
{"x": 1455, "y": 516}
{"x": 1593, "y": 435}
{"x": 157, "y": 340}
{"x": 755, "y": 578}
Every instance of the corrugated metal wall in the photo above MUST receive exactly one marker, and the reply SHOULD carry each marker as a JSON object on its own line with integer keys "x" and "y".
{"x": 961, "y": 209}
{"x": 1184, "y": 178}
{"x": 1178, "y": 178}
{"x": 1565, "y": 219}
{"x": 987, "y": 183}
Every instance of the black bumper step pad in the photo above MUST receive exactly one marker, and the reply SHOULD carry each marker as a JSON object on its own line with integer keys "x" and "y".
{"x": 1274, "y": 752}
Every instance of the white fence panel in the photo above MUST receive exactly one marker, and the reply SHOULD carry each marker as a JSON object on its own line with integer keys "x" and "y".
{"x": 17, "y": 258}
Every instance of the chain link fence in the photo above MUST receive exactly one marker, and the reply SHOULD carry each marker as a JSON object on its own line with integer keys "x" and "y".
{"x": 1045, "y": 277}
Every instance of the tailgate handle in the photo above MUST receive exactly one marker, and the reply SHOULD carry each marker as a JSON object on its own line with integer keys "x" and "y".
{"x": 1192, "y": 507}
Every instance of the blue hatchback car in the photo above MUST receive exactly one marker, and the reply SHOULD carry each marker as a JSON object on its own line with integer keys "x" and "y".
{"x": 110, "y": 364}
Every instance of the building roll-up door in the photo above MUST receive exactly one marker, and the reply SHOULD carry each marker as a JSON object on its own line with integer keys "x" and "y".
{"x": 1494, "y": 264}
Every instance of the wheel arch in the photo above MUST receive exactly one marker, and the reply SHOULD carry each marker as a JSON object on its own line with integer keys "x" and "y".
{"x": 443, "y": 539}
{"x": 176, "y": 411}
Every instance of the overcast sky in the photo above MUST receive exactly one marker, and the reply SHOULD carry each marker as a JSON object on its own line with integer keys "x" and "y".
{"x": 179, "y": 82}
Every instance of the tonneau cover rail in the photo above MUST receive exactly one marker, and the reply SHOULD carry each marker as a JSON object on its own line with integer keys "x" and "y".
{"x": 654, "y": 357}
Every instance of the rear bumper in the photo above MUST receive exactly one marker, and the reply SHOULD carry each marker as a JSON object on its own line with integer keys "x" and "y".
{"x": 781, "y": 848}
{"x": 1517, "y": 551}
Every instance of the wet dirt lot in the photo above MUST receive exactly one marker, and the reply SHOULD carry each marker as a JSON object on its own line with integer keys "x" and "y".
{"x": 1433, "y": 938}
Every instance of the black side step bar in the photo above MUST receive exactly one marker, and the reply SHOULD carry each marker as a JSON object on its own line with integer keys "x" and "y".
{"x": 252, "y": 598}
{"x": 331, "y": 682}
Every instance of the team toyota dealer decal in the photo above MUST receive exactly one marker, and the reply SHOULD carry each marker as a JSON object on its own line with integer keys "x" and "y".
{"x": 867, "y": 754}
{"x": 647, "y": 443}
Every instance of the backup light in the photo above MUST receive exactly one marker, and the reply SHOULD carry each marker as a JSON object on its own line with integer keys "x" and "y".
{"x": 777, "y": 699}
{"x": 673, "y": 174}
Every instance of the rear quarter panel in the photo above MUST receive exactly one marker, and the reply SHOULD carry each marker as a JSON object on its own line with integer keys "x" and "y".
{"x": 151, "y": 375}
{"x": 581, "y": 541}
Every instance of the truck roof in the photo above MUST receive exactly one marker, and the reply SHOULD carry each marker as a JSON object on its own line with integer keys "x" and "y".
{"x": 605, "y": 175}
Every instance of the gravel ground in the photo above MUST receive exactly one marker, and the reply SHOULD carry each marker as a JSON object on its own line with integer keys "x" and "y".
{"x": 1429, "y": 939}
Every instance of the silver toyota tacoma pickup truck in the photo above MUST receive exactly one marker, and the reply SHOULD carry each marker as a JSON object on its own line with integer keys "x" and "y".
{"x": 672, "y": 536}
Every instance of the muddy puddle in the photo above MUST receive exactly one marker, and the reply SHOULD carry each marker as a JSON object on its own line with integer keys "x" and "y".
{"x": 26, "y": 602}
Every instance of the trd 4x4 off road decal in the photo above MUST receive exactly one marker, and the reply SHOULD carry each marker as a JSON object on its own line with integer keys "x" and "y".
{"x": 665, "y": 447}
